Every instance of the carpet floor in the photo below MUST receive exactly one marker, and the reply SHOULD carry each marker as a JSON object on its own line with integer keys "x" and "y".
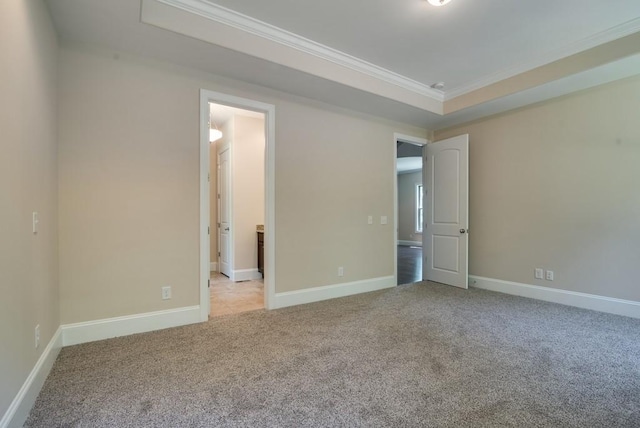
{"x": 420, "y": 355}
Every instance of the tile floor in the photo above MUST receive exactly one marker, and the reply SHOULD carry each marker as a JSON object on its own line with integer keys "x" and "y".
{"x": 228, "y": 297}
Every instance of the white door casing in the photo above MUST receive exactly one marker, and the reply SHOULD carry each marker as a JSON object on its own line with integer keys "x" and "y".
{"x": 445, "y": 239}
{"x": 206, "y": 97}
{"x": 224, "y": 212}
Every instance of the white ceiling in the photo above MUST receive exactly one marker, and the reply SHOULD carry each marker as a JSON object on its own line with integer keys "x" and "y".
{"x": 220, "y": 114}
{"x": 408, "y": 164}
{"x": 376, "y": 56}
{"x": 460, "y": 43}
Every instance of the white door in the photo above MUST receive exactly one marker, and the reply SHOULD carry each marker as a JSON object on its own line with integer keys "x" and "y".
{"x": 224, "y": 212}
{"x": 446, "y": 211}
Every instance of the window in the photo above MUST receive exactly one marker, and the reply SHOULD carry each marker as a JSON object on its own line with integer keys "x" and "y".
{"x": 419, "y": 210}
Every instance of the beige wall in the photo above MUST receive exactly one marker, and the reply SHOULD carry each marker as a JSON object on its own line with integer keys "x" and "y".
{"x": 556, "y": 186}
{"x": 248, "y": 181}
{"x": 28, "y": 182}
{"x": 129, "y": 186}
{"x": 407, "y": 206}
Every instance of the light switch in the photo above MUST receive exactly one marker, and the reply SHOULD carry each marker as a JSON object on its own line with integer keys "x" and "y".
{"x": 370, "y": 219}
{"x": 35, "y": 222}
{"x": 383, "y": 219}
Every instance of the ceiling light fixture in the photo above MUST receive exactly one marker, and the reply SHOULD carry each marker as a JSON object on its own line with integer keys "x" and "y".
{"x": 438, "y": 2}
{"x": 214, "y": 134}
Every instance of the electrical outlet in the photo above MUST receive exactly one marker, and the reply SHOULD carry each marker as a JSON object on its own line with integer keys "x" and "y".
{"x": 340, "y": 271}
{"x": 370, "y": 219}
{"x": 383, "y": 219}
{"x": 166, "y": 293}
{"x": 37, "y": 336}
{"x": 539, "y": 273}
{"x": 549, "y": 276}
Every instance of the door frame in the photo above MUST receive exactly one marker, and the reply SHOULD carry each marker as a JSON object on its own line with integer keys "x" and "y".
{"x": 269, "y": 110}
{"x": 418, "y": 141}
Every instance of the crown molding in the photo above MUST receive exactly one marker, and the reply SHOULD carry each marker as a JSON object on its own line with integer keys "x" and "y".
{"x": 614, "y": 33}
{"x": 270, "y": 32}
{"x": 228, "y": 17}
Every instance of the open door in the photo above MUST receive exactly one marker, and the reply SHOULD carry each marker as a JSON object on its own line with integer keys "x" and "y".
{"x": 224, "y": 213}
{"x": 445, "y": 239}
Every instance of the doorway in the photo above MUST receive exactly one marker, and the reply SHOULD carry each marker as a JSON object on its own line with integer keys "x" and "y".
{"x": 237, "y": 154}
{"x": 237, "y": 142}
{"x": 408, "y": 205}
{"x": 444, "y": 192}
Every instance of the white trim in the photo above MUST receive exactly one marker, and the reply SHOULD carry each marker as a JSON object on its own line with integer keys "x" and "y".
{"x": 82, "y": 332}
{"x": 404, "y": 138}
{"x": 213, "y": 267}
{"x": 205, "y": 210}
{"x": 286, "y": 38}
{"x": 594, "y": 302}
{"x": 245, "y": 274}
{"x": 316, "y": 294}
{"x": 414, "y": 243}
{"x": 556, "y": 54}
{"x": 270, "y": 211}
{"x": 269, "y": 111}
{"x": 19, "y": 409}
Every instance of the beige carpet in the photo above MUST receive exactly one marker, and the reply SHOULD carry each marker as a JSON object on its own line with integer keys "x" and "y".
{"x": 422, "y": 355}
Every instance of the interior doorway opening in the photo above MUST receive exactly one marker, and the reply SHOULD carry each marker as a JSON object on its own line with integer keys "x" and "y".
{"x": 237, "y": 209}
{"x": 237, "y": 198}
{"x": 409, "y": 197}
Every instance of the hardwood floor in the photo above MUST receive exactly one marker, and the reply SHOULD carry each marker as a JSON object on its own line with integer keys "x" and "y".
{"x": 409, "y": 264}
{"x": 228, "y": 297}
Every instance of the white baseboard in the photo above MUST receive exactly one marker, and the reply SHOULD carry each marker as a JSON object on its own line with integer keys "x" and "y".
{"x": 213, "y": 267}
{"x": 21, "y": 405}
{"x": 245, "y": 275}
{"x": 594, "y": 302}
{"x": 316, "y": 294}
{"x": 73, "y": 334}
{"x": 410, "y": 243}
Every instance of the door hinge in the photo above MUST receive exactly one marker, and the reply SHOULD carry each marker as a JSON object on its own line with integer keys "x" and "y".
{"x": 209, "y": 283}
{"x": 218, "y": 253}
{"x": 208, "y": 177}
{"x": 218, "y": 225}
{"x": 208, "y": 230}
{"x": 218, "y": 195}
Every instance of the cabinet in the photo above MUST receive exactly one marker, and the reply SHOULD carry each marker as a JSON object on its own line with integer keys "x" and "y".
{"x": 261, "y": 253}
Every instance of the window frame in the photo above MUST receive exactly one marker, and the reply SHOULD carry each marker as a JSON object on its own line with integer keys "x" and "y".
{"x": 419, "y": 208}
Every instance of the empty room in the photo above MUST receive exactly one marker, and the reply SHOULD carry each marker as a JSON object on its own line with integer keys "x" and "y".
{"x": 160, "y": 158}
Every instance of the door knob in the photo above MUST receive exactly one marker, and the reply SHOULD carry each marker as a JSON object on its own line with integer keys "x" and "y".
{"x": 226, "y": 229}
{"x": 463, "y": 231}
